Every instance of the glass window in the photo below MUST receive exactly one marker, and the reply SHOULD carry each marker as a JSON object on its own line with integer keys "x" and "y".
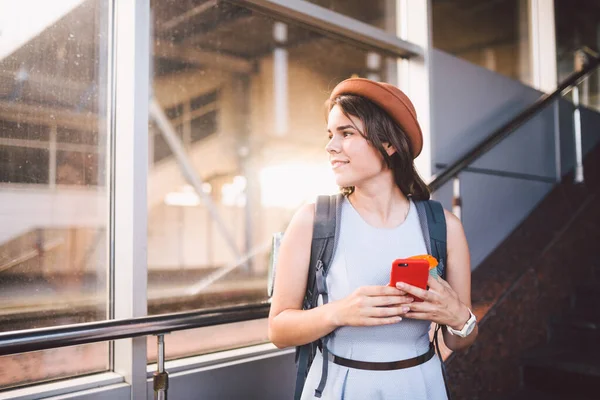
{"x": 53, "y": 262}
{"x": 23, "y": 165}
{"x": 204, "y": 125}
{"x": 253, "y": 90}
{"x": 379, "y": 13}
{"x": 161, "y": 149}
{"x": 74, "y": 136}
{"x": 578, "y": 25}
{"x": 76, "y": 168}
{"x": 23, "y": 131}
{"x": 492, "y": 34}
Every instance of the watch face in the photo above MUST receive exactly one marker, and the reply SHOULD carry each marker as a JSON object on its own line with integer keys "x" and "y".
{"x": 467, "y": 328}
{"x": 470, "y": 325}
{"x": 470, "y": 328}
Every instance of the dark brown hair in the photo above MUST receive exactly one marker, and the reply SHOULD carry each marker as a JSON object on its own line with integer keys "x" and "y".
{"x": 380, "y": 129}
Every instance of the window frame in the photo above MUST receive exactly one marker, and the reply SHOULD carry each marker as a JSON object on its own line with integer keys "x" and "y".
{"x": 332, "y": 23}
{"x": 127, "y": 118}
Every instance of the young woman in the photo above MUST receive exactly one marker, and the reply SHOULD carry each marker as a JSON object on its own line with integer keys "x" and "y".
{"x": 374, "y": 137}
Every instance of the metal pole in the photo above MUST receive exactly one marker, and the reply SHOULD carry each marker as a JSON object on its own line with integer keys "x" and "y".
{"x": 161, "y": 377}
{"x": 557, "y": 147}
{"x": 456, "y": 199}
{"x": 577, "y": 131}
{"x": 580, "y": 62}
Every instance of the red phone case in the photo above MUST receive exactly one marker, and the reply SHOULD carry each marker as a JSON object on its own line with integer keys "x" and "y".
{"x": 415, "y": 272}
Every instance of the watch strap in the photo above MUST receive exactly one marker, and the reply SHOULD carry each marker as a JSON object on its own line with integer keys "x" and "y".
{"x": 462, "y": 332}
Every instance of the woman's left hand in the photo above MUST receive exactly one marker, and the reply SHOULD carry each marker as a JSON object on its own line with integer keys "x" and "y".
{"x": 440, "y": 303}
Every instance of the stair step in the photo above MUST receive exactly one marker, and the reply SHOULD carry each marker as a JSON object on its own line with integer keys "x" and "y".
{"x": 586, "y": 299}
{"x": 596, "y": 273}
{"x": 575, "y": 331}
{"x": 532, "y": 394}
{"x": 563, "y": 371}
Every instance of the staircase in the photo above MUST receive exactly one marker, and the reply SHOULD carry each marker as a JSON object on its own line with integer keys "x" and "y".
{"x": 537, "y": 297}
{"x": 567, "y": 366}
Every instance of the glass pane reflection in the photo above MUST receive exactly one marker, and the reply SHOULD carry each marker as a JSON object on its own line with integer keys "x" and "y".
{"x": 578, "y": 25}
{"x": 53, "y": 263}
{"x": 243, "y": 95}
{"x": 492, "y": 34}
{"x": 379, "y": 13}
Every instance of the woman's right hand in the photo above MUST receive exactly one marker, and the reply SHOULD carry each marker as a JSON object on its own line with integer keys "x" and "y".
{"x": 370, "y": 306}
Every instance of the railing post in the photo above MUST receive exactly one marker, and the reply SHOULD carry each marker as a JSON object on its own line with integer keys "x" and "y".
{"x": 579, "y": 64}
{"x": 456, "y": 199}
{"x": 161, "y": 377}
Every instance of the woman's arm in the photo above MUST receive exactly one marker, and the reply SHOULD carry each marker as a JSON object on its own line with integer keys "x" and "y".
{"x": 447, "y": 302}
{"x": 289, "y": 325}
{"x": 458, "y": 275}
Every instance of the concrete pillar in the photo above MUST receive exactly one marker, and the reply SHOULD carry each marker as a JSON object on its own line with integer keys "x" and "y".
{"x": 542, "y": 36}
{"x": 413, "y": 24}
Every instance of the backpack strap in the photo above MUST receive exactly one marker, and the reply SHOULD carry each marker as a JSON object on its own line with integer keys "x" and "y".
{"x": 433, "y": 224}
{"x": 322, "y": 246}
{"x": 325, "y": 232}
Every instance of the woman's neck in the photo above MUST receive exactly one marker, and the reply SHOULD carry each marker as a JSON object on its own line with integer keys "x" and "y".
{"x": 382, "y": 206}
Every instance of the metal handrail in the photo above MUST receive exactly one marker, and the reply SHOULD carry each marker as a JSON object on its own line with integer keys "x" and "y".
{"x": 505, "y": 130}
{"x": 90, "y": 332}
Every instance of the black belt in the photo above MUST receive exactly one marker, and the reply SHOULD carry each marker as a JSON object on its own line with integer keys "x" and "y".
{"x": 382, "y": 366}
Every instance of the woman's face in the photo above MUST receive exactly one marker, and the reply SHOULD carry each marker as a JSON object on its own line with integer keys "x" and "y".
{"x": 353, "y": 159}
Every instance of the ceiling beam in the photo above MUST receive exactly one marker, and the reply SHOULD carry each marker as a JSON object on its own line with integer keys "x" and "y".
{"x": 228, "y": 24}
{"x": 193, "y": 12}
{"x": 174, "y": 89}
{"x": 41, "y": 79}
{"x": 45, "y": 115}
{"x": 192, "y": 55}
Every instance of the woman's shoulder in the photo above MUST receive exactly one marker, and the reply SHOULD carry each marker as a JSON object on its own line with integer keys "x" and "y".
{"x": 456, "y": 238}
{"x": 453, "y": 223}
{"x": 304, "y": 217}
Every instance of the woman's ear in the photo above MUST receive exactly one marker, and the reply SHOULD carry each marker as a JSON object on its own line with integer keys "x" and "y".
{"x": 389, "y": 149}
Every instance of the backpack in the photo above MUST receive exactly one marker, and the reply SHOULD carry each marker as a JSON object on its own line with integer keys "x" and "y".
{"x": 325, "y": 234}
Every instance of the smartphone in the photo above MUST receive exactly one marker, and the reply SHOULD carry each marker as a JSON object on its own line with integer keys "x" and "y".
{"x": 412, "y": 271}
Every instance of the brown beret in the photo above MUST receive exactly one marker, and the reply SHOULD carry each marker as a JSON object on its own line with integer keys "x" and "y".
{"x": 392, "y": 100}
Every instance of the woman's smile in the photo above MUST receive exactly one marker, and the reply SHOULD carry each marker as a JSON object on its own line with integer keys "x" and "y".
{"x": 335, "y": 164}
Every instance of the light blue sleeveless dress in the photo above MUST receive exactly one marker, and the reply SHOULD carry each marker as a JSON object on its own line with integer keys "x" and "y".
{"x": 364, "y": 256}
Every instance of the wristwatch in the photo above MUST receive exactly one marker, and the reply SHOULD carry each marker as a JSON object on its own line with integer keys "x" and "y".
{"x": 467, "y": 329}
